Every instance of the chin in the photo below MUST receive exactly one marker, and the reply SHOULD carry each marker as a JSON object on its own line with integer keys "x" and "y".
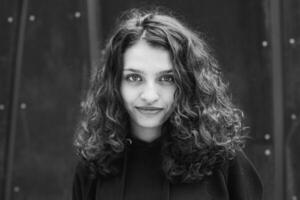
{"x": 149, "y": 124}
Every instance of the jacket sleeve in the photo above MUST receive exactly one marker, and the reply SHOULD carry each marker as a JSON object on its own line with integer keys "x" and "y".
{"x": 83, "y": 185}
{"x": 243, "y": 180}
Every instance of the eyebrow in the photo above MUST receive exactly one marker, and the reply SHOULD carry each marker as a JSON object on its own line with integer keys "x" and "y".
{"x": 141, "y": 72}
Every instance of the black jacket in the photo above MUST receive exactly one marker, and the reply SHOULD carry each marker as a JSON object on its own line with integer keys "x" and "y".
{"x": 238, "y": 180}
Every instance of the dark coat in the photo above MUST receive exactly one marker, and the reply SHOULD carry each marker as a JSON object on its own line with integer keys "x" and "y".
{"x": 238, "y": 180}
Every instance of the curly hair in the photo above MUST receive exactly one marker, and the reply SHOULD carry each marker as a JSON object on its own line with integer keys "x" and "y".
{"x": 205, "y": 128}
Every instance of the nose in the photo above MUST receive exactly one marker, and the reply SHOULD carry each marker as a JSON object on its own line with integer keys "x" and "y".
{"x": 150, "y": 93}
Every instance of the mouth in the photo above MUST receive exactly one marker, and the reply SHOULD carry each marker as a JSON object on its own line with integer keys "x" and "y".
{"x": 149, "y": 110}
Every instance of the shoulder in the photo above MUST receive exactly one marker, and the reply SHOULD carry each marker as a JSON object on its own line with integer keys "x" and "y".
{"x": 82, "y": 171}
{"x": 83, "y": 182}
{"x": 242, "y": 165}
{"x": 243, "y": 180}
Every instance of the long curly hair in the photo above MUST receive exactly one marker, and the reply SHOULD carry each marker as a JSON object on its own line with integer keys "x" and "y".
{"x": 204, "y": 130}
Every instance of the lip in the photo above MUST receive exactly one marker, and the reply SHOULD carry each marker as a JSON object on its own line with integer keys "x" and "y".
{"x": 149, "y": 110}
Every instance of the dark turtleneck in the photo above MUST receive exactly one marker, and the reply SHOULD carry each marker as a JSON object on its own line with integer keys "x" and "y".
{"x": 144, "y": 176}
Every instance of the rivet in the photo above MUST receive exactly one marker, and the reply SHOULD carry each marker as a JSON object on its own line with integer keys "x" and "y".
{"x": 10, "y": 19}
{"x": 23, "y": 106}
{"x": 292, "y": 41}
{"x": 264, "y": 43}
{"x": 294, "y": 197}
{"x": 267, "y": 136}
{"x": 77, "y": 14}
{"x": 267, "y": 152}
{"x": 31, "y": 18}
{"x": 2, "y": 106}
{"x": 16, "y": 189}
{"x": 293, "y": 116}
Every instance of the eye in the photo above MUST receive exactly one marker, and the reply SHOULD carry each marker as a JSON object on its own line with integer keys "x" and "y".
{"x": 167, "y": 78}
{"x": 133, "y": 77}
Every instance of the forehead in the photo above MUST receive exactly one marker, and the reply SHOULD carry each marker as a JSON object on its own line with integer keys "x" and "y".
{"x": 147, "y": 58}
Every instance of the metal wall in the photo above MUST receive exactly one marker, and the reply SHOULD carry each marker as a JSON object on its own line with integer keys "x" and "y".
{"x": 44, "y": 67}
{"x": 291, "y": 76}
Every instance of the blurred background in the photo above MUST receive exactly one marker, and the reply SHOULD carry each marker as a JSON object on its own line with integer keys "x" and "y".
{"x": 47, "y": 49}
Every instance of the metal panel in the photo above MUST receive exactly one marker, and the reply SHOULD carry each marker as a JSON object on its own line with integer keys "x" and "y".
{"x": 9, "y": 20}
{"x": 291, "y": 74}
{"x": 94, "y": 26}
{"x": 55, "y": 69}
{"x": 277, "y": 90}
{"x": 15, "y": 100}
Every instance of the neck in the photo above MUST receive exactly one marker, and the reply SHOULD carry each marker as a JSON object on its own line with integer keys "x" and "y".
{"x": 146, "y": 134}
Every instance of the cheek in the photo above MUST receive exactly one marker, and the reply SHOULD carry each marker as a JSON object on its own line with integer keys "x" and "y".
{"x": 170, "y": 96}
{"x": 127, "y": 94}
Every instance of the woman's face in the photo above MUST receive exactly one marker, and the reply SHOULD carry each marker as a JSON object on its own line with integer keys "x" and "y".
{"x": 147, "y": 85}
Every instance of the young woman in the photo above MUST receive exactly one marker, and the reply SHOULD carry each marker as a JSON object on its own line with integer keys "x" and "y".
{"x": 157, "y": 121}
